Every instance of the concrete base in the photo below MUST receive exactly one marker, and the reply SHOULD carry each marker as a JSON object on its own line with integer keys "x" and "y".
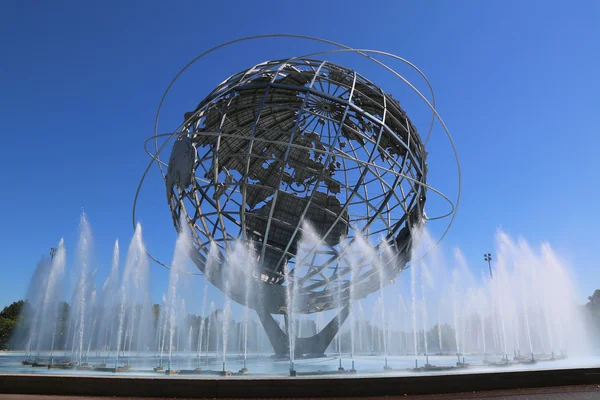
{"x": 335, "y": 386}
{"x": 434, "y": 368}
{"x": 339, "y": 372}
{"x": 172, "y": 372}
{"x": 60, "y": 366}
{"x": 125, "y": 368}
{"x": 500, "y": 364}
{"x": 528, "y": 362}
{"x": 196, "y": 371}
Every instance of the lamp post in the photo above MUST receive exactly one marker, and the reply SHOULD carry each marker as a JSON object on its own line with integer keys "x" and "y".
{"x": 488, "y": 257}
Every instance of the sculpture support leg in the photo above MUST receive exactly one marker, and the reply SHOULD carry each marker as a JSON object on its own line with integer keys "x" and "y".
{"x": 309, "y": 346}
{"x": 277, "y": 337}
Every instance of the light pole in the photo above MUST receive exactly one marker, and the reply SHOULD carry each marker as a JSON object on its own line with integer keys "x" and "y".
{"x": 488, "y": 257}
{"x": 52, "y": 252}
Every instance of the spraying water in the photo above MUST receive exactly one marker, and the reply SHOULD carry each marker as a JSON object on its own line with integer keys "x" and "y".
{"x": 49, "y": 314}
{"x": 424, "y": 278}
{"x": 361, "y": 317}
{"x": 249, "y": 285}
{"x": 133, "y": 292}
{"x": 82, "y": 291}
{"x": 211, "y": 313}
{"x": 237, "y": 259}
{"x": 110, "y": 287}
{"x": 289, "y": 312}
{"x": 178, "y": 268}
{"x": 413, "y": 293}
{"x": 202, "y": 318}
{"x": 530, "y": 302}
{"x": 439, "y": 330}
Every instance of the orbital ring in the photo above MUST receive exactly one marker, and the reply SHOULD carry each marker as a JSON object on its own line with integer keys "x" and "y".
{"x": 344, "y": 49}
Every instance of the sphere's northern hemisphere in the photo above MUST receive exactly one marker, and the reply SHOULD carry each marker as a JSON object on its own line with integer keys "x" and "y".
{"x": 291, "y": 146}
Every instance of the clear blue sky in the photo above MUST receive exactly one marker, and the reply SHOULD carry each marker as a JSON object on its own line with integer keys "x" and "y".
{"x": 516, "y": 82}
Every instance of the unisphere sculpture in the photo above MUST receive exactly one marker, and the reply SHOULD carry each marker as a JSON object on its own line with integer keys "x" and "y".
{"x": 294, "y": 149}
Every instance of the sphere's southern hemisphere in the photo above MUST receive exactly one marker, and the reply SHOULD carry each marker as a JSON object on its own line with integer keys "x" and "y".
{"x": 286, "y": 147}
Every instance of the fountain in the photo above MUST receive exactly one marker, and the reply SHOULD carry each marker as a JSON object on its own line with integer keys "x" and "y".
{"x": 211, "y": 314}
{"x": 80, "y": 316}
{"x": 172, "y": 313}
{"x": 289, "y": 318}
{"x": 528, "y": 309}
{"x": 201, "y": 328}
{"x": 111, "y": 286}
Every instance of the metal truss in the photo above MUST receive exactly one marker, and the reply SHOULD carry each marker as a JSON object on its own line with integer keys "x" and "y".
{"x": 300, "y": 159}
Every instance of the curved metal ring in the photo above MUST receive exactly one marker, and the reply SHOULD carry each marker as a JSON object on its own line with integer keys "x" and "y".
{"x": 343, "y": 48}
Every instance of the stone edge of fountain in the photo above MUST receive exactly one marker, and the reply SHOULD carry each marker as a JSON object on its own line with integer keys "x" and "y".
{"x": 313, "y": 386}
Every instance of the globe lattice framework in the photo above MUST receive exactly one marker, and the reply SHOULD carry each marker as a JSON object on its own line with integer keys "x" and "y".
{"x": 292, "y": 144}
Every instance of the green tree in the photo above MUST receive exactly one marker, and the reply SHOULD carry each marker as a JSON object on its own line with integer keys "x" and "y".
{"x": 62, "y": 324}
{"x": 592, "y": 311}
{"x": 156, "y": 311}
{"x": 10, "y": 318}
{"x": 12, "y": 311}
{"x": 7, "y": 327}
{"x": 594, "y": 300}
